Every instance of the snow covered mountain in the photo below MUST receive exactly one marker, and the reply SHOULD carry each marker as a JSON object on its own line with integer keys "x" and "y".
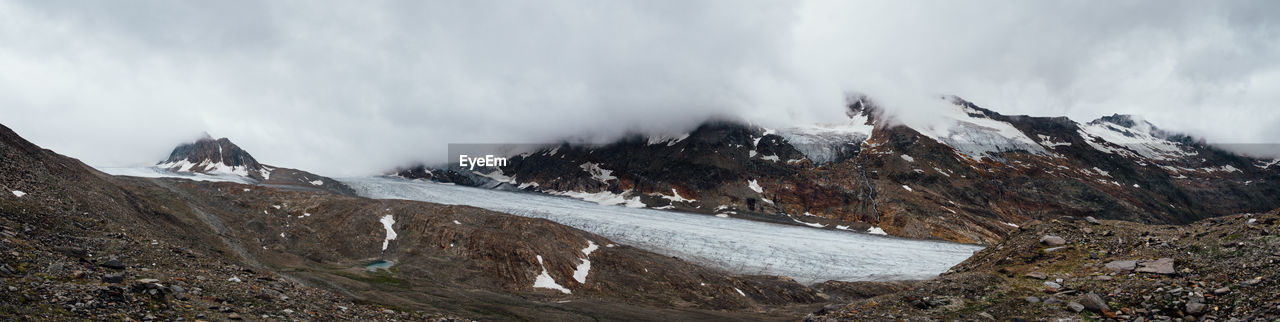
{"x": 209, "y": 159}
{"x": 968, "y": 174}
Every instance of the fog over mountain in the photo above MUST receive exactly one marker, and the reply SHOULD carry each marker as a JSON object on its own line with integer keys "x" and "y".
{"x": 350, "y": 88}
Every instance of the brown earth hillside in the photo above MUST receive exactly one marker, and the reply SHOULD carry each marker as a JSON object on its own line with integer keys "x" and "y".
{"x": 1215, "y": 269}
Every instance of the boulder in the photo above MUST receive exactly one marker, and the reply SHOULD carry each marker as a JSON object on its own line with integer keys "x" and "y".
{"x": 1195, "y": 308}
{"x": 1075, "y": 306}
{"x": 1121, "y": 266}
{"x": 1160, "y": 266}
{"x": 112, "y": 264}
{"x": 113, "y": 278}
{"x": 1093, "y": 302}
{"x": 1052, "y": 240}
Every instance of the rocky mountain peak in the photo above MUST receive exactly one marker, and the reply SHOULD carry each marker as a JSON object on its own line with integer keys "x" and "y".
{"x": 211, "y": 156}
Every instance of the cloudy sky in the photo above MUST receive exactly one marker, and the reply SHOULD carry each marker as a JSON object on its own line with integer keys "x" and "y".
{"x": 357, "y": 87}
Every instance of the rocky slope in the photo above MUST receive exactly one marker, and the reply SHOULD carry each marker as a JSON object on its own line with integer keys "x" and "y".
{"x": 1222, "y": 268}
{"x": 971, "y": 178}
{"x": 81, "y": 244}
{"x": 222, "y": 159}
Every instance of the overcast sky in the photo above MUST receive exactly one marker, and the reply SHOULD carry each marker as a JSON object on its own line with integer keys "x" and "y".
{"x": 358, "y": 87}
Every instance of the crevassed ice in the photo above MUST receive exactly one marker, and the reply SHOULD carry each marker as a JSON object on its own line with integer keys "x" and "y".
{"x": 740, "y": 246}
{"x": 824, "y": 143}
{"x": 973, "y": 136}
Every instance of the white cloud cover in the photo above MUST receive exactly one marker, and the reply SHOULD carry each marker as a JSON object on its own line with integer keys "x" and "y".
{"x": 349, "y": 88}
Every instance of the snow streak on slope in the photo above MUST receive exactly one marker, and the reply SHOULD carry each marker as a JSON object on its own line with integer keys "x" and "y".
{"x": 736, "y": 245}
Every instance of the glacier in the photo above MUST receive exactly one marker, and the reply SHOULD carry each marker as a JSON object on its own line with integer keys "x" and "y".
{"x": 739, "y": 246}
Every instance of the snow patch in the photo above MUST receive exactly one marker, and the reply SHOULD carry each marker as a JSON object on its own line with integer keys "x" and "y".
{"x": 496, "y": 175}
{"x": 1048, "y": 142}
{"x": 1103, "y": 173}
{"x": 810, "y": 224}
{"x": 908, "y": 158}
{"x": 1265, "y": 164}
{"x": 544, "y": 280}
{"x": 598, "y": 173}
{"x": 907, "y": 187}
{"x": 1225, "y": 168}
{"x": 773, "y": 158}
{"x": 580, "y": 273}
{"x": 316, "y": 182}
{"x": 387, "y": 221}
{"x": 604, "y": 198}
{"x": 674, "y": 197}
{"x": 876, "y": 231}
{"x": 19, "y": 193}
{"x": 755, "y": 186}
{"x": 670, "y": 141}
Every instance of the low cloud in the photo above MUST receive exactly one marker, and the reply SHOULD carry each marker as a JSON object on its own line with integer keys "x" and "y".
{"x": 356, "y": 88}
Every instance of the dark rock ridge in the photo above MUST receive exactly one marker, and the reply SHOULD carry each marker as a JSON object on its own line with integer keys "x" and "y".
{"x": 220, "y": 157}
{"x": 972, "y": 182}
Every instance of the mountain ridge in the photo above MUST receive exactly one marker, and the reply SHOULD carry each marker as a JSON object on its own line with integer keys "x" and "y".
{"x": 970, "y": 182}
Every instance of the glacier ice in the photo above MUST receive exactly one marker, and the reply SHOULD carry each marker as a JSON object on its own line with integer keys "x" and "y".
{"x": 739, "y": 246}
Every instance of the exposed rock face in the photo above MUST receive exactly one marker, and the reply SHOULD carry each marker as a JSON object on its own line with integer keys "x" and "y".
{"x": 972, "y": 182}
{"x": 210, "y": 156}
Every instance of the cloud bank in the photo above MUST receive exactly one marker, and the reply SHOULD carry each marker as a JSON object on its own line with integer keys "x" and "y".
{"x": 347, "y": 88}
